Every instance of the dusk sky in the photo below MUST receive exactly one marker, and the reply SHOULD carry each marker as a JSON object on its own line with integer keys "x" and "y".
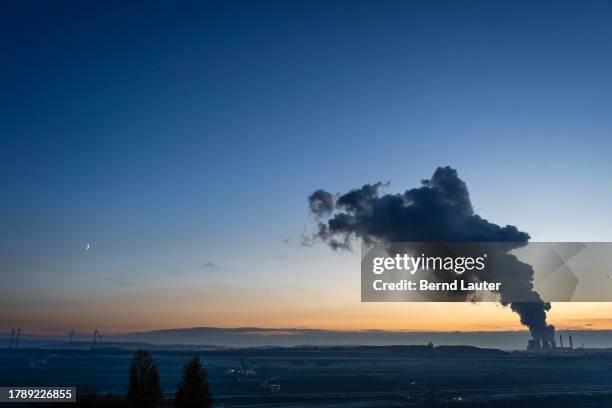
{"x": 181, "y": 141}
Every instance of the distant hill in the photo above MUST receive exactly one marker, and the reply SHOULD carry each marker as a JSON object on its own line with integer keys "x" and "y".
{"x": 59, "y": 342}
{"x": 213, "y": 337}
{"x": 258, "y": 337}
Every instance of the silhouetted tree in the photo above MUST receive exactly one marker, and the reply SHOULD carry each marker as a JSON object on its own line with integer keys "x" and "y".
{"x": 144, "y": 389}
{"x": 193, "y": 389}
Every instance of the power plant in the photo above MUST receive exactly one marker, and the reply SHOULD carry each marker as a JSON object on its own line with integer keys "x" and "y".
{"x": 544, "y": 346}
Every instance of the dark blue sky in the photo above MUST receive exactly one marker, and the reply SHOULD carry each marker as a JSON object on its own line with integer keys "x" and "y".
{"x": 172, "y": 135}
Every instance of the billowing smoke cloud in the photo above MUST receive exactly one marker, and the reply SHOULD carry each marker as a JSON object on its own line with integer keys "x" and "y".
{"x": 438, "y": 211}
{"x": 321, "y": 203}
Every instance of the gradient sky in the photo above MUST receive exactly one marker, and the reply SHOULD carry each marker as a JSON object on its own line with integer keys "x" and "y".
{"x": 181, "y": 141}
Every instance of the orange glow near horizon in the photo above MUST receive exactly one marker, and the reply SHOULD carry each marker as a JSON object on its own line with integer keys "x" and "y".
{"x": 332, "y": 304}
{"x": 359, "y": 316}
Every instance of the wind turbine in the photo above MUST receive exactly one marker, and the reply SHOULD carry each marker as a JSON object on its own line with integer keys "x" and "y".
{"x": 18, "y": 336}
{"x": 12, "y": 336}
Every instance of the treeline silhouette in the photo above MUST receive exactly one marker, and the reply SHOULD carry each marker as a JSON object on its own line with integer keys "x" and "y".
{"x": 144, "y": 387}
